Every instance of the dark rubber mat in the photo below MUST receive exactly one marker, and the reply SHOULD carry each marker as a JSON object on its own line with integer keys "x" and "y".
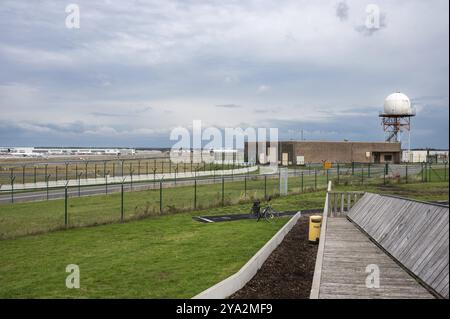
{"x": 234, "y": 217}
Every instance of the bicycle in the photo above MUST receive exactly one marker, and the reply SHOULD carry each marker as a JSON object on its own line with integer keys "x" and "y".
{"x": 268, "y": 212}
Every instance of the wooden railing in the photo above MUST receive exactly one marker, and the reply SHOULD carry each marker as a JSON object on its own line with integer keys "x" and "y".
{"x": 339, "y": 203}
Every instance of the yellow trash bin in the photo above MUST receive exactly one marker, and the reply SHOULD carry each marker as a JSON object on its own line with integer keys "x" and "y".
{"x": 315, "y": 222}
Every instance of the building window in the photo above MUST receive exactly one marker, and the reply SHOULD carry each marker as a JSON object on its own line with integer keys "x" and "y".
{"x": 388, "y": 158}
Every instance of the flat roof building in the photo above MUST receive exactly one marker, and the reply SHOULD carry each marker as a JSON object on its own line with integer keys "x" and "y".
{"x": 305, "y": 152}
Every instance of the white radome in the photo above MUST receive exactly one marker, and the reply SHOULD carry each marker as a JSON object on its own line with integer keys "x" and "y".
{"x": 397, "y": 104}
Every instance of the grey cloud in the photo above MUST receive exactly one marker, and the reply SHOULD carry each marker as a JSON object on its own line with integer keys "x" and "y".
{"x": 229, "y": 106}
{"x": 342, "y": 10}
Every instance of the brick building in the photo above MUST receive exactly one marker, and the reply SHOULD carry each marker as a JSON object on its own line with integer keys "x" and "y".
{"x": 303, "y": 152}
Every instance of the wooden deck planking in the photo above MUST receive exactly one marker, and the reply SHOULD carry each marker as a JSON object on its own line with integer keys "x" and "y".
{"x": 347, "y": 253}
{"x": 415, "y": 233}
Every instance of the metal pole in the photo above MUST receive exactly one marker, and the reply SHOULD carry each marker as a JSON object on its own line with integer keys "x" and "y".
{"x": 315, "y": 179}
{"x": 368, "y": 171}
{"x": 67, "y": 171}
{"x": 12, "y": 188}
{"x": 121, "y": 201}
{"x": 245, "y": 186}
{"x": 35, "y": 180}
{"x": 160, "y": 197}
{"x": 406, "y": 168}
{"x": 338, "y": 174}
{"x": 106, "y": 182}
{"x": 56, "y": 173}
{"x": 131, "y": 177}
{"x": 265, "y": 187}
{"x": 23, "y": 174}
{"x": 79, "y": 184}
{"x": 302, "y": 182}
{"x": 47, "y": 179}
{"x": 223, "y": 191}
{"x": 66, "y": 220}
{"x": 86, "y": 170}
{"x": 445, "y": 171}
{"x": 362, "y": 175}
{"x": 195, "y": 193}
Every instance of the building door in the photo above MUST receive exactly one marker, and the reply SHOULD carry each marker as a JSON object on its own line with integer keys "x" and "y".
{"x": 377, "y": 158}
{"x": 285, "y": 159}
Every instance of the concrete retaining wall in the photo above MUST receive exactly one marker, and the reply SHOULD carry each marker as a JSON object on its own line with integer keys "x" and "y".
{"x": 229, "y": 286}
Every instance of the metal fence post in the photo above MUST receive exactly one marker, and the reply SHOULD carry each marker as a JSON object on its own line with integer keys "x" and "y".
{"x": 406, "y": 172}
{"x": 67, "y": 171}
{"x": 106, "y": 182}
{"x": 195, "y": 193}
{"x": 79, "y": 184}
{"x": 56, "y": 173}
{"x": 47, "y": 178}
{"x": 23, "y": 174}
{"x": 12, "y": 188}
{"x": 66, "y": 219}
{"x": 315, "y": 179}
{"x": 338, "y": 175}
{"x": 223, "y": 190}
{"x": 160, "y": 196}
{"x": 121, "y": 201}
{"x": 327, "y": 176}
{"x": 368, "y": 170}
{"x": 245, "y": 186}
{"x": 362, "y": 175}
{"x": 131, "y": 178}
{"x": 35, "y": 177}
{"x": 302, "y": 178}
{"x": 353, "y": 168}
{"x": 265, "y": 187}
{"x": 445, "y": 171}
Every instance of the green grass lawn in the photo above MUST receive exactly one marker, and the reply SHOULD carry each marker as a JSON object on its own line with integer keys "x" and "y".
{"x": 168, "y": 256}
{"x": 435, "y": 191}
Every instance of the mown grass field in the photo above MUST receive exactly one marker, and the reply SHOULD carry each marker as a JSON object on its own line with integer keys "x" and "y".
{"x": 160, "y": 257}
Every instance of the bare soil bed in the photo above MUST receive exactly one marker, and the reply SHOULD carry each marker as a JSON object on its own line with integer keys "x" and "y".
{"x": 289, "y": 270}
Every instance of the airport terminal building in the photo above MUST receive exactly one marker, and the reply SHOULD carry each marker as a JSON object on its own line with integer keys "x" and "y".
{"x": 305, "y": 152}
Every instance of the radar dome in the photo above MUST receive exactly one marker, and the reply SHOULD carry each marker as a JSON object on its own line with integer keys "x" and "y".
{"x": 397, "y": 104}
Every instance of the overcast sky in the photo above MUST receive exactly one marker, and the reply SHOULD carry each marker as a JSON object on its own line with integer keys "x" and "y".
{"x": 136, "y": 69}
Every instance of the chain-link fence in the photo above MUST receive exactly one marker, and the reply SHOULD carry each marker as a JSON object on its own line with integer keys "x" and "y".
{"x": 45, "y": 209}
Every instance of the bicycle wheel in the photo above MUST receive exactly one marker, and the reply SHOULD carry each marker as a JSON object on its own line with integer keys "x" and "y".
{"x": 268, "y": 214}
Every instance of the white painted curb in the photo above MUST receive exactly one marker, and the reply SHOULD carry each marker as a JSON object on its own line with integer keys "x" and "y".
{"x": 235, "y": 282}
